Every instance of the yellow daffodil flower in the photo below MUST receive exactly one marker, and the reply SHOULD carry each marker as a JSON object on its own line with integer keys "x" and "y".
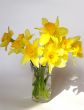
{"x": 54, "y": 56}
{"x": 17, "y": 45}
{"x": 73, "y": 45}
{"x": 27, "y": 34}
{"x": 51, "y": 31}
{"x": 49, "y": 58}
{"x": 77, "y": 49}
{"x": 30, "y": 53}
{"x": 6, "y": 39}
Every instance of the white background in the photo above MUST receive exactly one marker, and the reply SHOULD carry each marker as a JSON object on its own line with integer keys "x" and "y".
{"x": 16, "y": 79}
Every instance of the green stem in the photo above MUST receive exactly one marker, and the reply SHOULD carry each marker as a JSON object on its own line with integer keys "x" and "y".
{"x": 40, "y": 89}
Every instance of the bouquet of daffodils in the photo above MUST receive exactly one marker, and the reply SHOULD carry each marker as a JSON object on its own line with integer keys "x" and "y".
{"x": 50, "y": 49}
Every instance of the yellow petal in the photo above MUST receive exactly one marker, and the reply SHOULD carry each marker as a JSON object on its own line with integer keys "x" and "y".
{"x": 43, "y": 61}
{"x": 25, "y": 59}
{"x": 60, "y": 52}
{"x": 35, "y": 61}
{"x": 44, "y": 39}
{"x": 77, "y": 49}
{"x": 40, "y": 51}
{"x": 17, "y": 51}
{"x": 61, "y": 63}
{"x": 44, "y": 21}
{"x": 63, "y": 31}
{"x": 36, "y": 42}
{"x": 57, "y": 21}
{"x": 5, "y": 43}
{"x": 27, "y": 34}
{"x": 55, "y": 39}
{"x": 74, "y": 39}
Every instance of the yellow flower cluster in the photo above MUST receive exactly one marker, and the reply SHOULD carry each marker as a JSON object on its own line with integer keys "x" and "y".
{"x": 52, "y": 48}
{"x": 7, "y": 38}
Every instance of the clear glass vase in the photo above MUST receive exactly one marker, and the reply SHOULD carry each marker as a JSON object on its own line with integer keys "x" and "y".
{"x": 41, "y": 84}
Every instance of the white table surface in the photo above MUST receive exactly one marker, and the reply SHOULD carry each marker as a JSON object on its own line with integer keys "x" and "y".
{"x": 16, "y": 79}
